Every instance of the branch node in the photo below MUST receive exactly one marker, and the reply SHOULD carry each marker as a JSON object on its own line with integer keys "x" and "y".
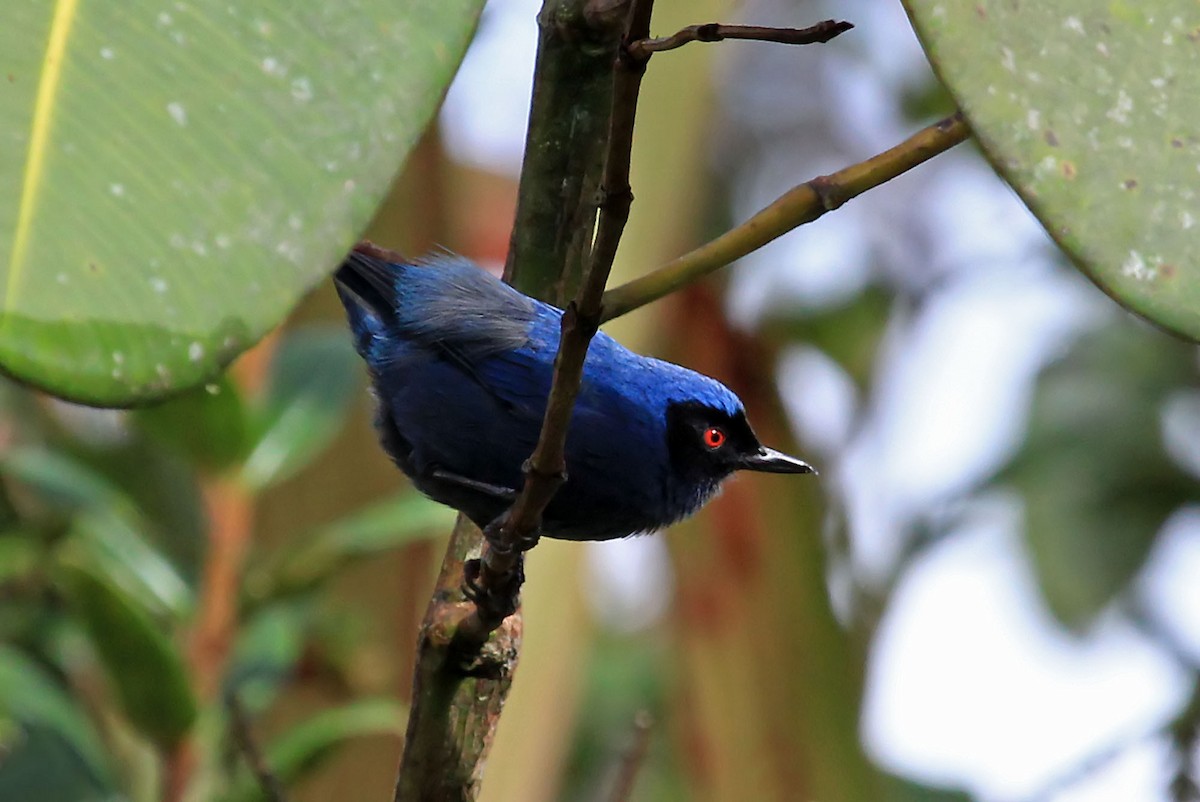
{"x": 557, "y": 475}
{"x": 828, "y": 191}
{"x": 949, "y": 123}
{"x": 576, "y": 323}
{"x": 610, "y": 199}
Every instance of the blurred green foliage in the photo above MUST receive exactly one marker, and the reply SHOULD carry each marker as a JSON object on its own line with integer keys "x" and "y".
{"x": 97, "y": 606}
{"x": 1094, "y": 472}
{"x": 307, "y": 745}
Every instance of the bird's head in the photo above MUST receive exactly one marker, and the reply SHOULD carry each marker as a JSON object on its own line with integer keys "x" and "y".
{"x": 706, "y": 443}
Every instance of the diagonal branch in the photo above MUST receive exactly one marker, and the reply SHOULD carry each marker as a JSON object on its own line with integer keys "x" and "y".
{"x": 799, "y": 205}
{"x": 243, "y": 737}
{"x": 545, "y": 471}
{"x": 717, "y": 32}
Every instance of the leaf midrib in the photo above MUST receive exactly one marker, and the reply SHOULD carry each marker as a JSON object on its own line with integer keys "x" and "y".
{"x": 39, "y": 134}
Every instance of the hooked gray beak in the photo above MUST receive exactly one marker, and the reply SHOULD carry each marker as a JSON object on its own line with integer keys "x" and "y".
{"x": 768, "y": 460}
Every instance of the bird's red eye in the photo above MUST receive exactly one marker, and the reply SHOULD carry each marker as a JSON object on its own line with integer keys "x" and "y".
{"x": 714, "y": 437}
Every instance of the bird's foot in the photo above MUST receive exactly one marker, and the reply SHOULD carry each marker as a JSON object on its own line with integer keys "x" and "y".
{"x": 493, "y": 534}
{"x": 499, "y": 595}
{"x": 495, "y": 601}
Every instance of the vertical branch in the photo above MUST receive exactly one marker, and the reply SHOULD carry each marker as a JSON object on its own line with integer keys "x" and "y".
{"x": 230, "y": 521}
{"x": 177, "y": 769}
{"x": 230, "y": 509}
{"x": 565, "y": 147}
{"x": 230, "y": 513}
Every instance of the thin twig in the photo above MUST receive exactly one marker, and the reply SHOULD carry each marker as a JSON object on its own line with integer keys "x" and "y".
{"x": 1182, "y": 731}
{"x": 1185, "y": 741}
{"x": 243, "y": 738}
{"x": 634, "y": 757}
{"x": 1087, "y": 768}
{"x": 799, "y": 205}
{"x": 545, "y": 471}
{"x": 715, "y": 32}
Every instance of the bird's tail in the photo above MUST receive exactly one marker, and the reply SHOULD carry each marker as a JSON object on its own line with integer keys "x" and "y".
{"x": 366, "y": 284}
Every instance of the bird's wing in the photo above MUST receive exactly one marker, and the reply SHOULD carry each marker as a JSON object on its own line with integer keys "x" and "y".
{"x": 518, "y": 379}
{"x": 446, "y": 303}
{"x": 500, "y": 340}
{"x": 504, "y": 343}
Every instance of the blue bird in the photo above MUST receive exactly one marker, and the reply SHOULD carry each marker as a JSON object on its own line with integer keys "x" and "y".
{"x": 461, "y": 366}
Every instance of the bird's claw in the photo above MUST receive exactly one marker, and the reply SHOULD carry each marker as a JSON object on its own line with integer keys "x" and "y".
{"x": 493, "y": 603}
{"x": 471, "y": 589}
{"x": 526, "y": 542}
{"x": 499, "y": 596}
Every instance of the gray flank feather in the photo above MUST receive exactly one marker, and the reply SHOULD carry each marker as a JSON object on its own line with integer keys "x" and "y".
{"x": 464, "y": 306}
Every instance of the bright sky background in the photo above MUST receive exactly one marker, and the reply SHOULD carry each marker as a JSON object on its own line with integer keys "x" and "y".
{"x": 970, "y": 682}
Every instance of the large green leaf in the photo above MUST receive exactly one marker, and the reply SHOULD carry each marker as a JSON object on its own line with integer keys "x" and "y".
{"x": 1089, "y": 111}
{"x": 177, "y": 175}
